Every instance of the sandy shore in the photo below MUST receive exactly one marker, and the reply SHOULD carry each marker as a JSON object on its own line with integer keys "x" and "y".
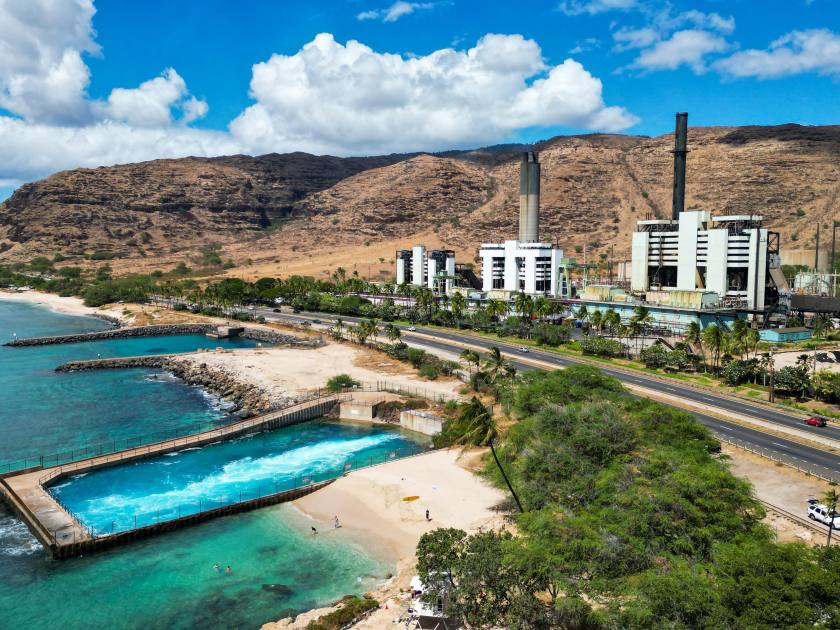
{"x": 370, "y": 506}
{"x": 285, "y": 371}
{"x": 55, "y": 303}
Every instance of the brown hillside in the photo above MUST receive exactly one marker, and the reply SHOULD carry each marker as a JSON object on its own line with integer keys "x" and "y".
{"x": 324, "y": 212}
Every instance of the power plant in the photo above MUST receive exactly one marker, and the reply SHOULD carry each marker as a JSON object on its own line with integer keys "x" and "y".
{"x": 693, "y": 266}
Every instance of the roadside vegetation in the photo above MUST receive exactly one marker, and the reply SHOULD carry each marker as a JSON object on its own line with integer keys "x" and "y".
{"x": 629, "y": 518}
{"x": 713, "y": 355}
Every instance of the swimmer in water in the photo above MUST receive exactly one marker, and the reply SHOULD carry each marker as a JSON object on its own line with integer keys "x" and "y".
{"x": 227, "y": 570}
{"x": 216, "y": 567}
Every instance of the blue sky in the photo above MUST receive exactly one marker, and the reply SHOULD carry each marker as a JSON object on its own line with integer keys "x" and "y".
{"x": 95, "y": 83}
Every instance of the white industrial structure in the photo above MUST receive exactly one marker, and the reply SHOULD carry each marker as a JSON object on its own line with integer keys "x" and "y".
{"x": 525, "y": 265}
{"x": 725, "y": 255}
{"x": 434, "y": 270}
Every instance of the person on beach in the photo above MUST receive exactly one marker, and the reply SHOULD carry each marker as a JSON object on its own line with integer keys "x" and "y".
{"x": 428, "y": 518}
{"x": 314, "y": 531}
{"x": 337, "y": 524}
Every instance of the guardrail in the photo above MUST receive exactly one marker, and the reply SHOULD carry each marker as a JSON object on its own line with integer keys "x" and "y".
{"x": 821, "y": 472}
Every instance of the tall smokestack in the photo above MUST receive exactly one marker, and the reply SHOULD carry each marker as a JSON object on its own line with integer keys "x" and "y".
{"x": 529, "y": 197}
{"x": 680, "y": 151}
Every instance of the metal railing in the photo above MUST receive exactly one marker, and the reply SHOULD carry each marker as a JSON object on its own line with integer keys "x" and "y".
{"x": 187, "y": 431}
{"x": 204, "y": 503}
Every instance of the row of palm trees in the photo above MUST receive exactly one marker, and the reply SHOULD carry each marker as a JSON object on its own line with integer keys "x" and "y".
{"x": 715, "y": 341}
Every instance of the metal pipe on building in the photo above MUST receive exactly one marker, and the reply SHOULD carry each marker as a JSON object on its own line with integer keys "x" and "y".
{"x": 817, "y": 254}
{"x": 529, "y": 197}
{"x": 680, "y": 153}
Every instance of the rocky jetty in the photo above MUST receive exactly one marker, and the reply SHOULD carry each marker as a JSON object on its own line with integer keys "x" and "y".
{"x": 247, "y": 399}
{"x": 263, "y": 335}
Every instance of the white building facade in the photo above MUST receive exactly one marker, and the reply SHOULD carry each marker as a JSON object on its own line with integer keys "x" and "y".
{"x": 435, "y": 269}
{"x": 731, "y": 256}
{"x": 516, "y": 266}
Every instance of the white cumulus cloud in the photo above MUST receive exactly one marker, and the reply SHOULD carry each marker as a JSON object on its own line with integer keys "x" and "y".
{"x": 688, "y": 48}
{"x": 348, "y": 98}
{"x": 151, "y": 104}
{"x": 816, "y": 50}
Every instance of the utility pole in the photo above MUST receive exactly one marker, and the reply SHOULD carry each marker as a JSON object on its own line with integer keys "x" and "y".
{"x": 831, "y": 264}
{"x": 817, "y": 254}
{"x": 772, "y": 375}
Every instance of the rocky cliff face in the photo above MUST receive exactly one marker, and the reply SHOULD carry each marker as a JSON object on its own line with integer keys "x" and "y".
{"x": 275, "y": 208}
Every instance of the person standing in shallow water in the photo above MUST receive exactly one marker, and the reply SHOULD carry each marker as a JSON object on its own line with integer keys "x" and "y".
{"x": 228, "y": 571}
{"x": 337, "y": 524}
{"x": 216, "y": 567}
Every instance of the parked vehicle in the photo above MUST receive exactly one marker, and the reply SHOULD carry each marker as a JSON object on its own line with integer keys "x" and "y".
{"x": 820, "y": 512}
{"x": 815, "y": 421}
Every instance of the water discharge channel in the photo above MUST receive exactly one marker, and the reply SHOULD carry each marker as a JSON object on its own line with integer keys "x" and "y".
{"x": 167, "y": 487}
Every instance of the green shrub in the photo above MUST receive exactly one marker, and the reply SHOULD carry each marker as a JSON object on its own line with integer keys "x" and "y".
{"x": 429, "y": 371}
{"x": 102, "y": 254}
{"x": 341, "y": 382}
{"x": 352, "y": 608}
{"x": 654, "y": 357}
{"x": 601, "y": 346}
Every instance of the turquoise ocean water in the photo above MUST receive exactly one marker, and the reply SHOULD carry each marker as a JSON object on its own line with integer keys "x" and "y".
{"x": 168, "y": 581}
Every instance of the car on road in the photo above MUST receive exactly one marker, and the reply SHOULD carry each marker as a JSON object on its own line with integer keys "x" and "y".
{"x": 815, "y": 421}
{"x": 821, "y": 513}
{"x": 523, "y": 349}
{"x": 276, "y": 310}
{"x": 316, "y": 321}
{"x": 411, "y": 329}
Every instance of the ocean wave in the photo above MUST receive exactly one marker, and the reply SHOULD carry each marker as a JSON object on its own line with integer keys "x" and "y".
{"x": 16, "y": 539}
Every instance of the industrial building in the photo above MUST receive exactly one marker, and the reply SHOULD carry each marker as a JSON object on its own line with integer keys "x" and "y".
{"x": 525, "y": 265}
{"x": 701, "y": 261}
{"x": 435, "y": 270}
{"x": 706, "y": 261}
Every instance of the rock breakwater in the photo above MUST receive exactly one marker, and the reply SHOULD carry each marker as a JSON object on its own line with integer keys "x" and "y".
{"x": 247, "y": 399}
{"x": 263, "y": 335}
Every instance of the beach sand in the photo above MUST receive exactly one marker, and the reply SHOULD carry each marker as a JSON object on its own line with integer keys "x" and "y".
{"x": 55, "y": 303}
{"x": 369, "y": 503}
{"x": 291, "y": 371}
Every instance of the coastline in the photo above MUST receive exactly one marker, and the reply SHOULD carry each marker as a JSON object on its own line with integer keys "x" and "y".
{"x": 57, "y": 303}
{"x": 372, "y": 512}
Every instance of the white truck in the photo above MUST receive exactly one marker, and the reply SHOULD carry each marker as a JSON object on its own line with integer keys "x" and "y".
{"x": 821, "y": 513}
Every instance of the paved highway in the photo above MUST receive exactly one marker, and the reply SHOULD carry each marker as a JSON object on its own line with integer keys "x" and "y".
{"x": 821, "y": 461}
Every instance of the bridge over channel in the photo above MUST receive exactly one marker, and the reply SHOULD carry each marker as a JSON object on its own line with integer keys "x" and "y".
{"x": 56, "y": 528}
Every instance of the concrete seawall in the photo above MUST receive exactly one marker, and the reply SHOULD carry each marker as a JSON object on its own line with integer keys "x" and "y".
{"x": 64, "y": 536}
{"x": 256, "y": 334}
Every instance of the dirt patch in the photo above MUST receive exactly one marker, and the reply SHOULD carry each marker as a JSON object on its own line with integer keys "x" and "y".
{"x": 781, "y": 486}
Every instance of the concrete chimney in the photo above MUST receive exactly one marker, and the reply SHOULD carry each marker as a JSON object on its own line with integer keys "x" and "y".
{"x": 529, "y": 198}
{"x": 680, "y": 152}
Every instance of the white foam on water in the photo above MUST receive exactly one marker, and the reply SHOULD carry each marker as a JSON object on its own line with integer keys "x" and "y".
{"x": 309, "y": 460}
{"x": 16, "y": 539}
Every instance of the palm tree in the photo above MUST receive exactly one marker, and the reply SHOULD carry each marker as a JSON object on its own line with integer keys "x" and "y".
{"x": 481, "y": 430}
{"x": 642, "y": 316}
{"x": 370, "y": 328}
{"x": 752, "y": 340}
{"x": 471, "y": 358}
{"x": 498, "y": 309}
{"x": 612, "y": 320}
{"x": 524, "y": 305}
{"x": 582, "y": 313}
{"x": 497, "y": 366}
{"x": 715, "y": 340}
{"x": 694, "y": 336}
{"x": 543, "y": 307}
{"x": 338, "y": 329}
{"x": 830, "y": 498}
{"x": 392, "y": 333}
{"x": 457, "y": 304}
{"x": 425, "y": 301}
{"x": 597, "y": 320}
{"x": 738, "y": 337}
